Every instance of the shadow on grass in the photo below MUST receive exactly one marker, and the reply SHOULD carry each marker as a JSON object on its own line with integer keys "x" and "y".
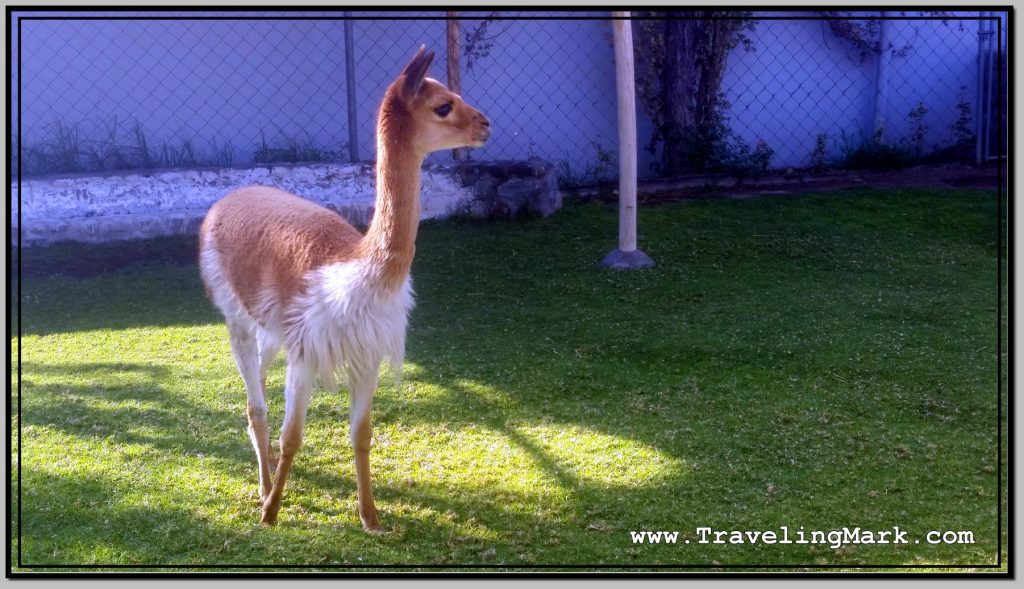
{"x": 82, "y": 517}
{"x": 79, "y": 519}
{"x": 127, "y": 284}
{"x": 147, "y": 298}
{"x": 78, "y": 260}
{"x": 128, "y": 403}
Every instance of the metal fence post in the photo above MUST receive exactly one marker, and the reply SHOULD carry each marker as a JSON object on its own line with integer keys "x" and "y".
{"x": 979, "y": 117}
{"x": 350, "y": 90}
{"x": 989, "y": 81}
{"x": 881, "y": 77}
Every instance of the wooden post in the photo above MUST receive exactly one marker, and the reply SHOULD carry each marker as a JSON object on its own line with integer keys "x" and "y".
{"x": 627, "y": 256}
{"x": 454, "y": 77}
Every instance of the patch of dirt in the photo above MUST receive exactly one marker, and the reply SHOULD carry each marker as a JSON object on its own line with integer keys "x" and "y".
{"x": 796, "y": 182}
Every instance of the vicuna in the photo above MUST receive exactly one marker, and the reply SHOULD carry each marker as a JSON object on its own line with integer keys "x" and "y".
{"x": 285, "y": 271}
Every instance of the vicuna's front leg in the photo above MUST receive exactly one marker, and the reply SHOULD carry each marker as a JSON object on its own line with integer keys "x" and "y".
{"x": 297, "y": 392}
{"x": 361, "y": 389}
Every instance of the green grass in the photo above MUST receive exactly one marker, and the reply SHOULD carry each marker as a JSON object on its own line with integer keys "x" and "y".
{"x": 819, "y": 361}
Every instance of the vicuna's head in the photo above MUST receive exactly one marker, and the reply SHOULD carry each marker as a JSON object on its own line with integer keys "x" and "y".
{"x": 424, "y": 112}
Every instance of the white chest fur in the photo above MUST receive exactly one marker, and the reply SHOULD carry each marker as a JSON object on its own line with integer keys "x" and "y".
{"x": 344, "y": 320}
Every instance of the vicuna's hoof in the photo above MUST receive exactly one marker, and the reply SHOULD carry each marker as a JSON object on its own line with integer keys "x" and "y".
{"x": 269, "y": 514}
{"x": 371, "y": 525}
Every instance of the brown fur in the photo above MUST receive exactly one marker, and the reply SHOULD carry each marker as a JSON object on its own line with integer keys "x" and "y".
{"x": 276, "y": 248}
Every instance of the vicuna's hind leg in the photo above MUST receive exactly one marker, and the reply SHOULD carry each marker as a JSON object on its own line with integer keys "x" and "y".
{"x": 269, "y": 345}
{"x": 244, "y": 349}
{"x": 298, "y": 390}
{"x": 361, "y": 389}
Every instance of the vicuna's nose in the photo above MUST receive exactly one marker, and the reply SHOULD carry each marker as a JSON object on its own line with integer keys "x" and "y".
{"x": 484, "y": 121}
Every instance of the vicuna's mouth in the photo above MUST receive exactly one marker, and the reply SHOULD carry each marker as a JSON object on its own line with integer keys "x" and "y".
{"x": 482, "y": 137}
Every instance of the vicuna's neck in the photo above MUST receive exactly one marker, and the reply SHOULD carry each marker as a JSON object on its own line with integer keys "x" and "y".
{"x": 390, "y": 242}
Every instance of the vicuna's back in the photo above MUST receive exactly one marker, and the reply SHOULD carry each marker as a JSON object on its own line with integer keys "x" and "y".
{"x": 284, "y": 237}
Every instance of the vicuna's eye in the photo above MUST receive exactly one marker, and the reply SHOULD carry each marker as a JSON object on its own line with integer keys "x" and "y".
{"x": 443, "y": 110}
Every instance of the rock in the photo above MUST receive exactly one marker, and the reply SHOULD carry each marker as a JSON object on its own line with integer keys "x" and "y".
{"x": 548, "y": 199}
{"x": 518, "y": 189}
{"x": 479, "y": 209}
{"x": 483, "y": 187}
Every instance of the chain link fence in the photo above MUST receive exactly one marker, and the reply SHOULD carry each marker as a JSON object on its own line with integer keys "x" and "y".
{"x": 857, "y": 92}
{"x": 122, "y": 90}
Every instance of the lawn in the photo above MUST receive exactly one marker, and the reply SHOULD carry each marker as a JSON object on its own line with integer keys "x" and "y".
{"x": 818, "y": 362}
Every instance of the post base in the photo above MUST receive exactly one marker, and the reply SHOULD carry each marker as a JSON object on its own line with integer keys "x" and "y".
{"x": 621, "y": 260}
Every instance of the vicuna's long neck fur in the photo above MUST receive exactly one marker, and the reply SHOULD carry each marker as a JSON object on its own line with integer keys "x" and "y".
{"x": 390, "y": 241}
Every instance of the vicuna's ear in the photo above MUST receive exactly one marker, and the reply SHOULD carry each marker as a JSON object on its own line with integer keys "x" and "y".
{"x": 415, "y": 71}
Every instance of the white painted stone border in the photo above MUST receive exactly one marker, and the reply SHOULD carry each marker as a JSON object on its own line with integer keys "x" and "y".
{"x": 149, "y": 203}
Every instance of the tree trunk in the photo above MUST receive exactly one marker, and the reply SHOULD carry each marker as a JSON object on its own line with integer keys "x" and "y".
{"x": 695, "y": 55}
{"x": 679, "y": 84}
